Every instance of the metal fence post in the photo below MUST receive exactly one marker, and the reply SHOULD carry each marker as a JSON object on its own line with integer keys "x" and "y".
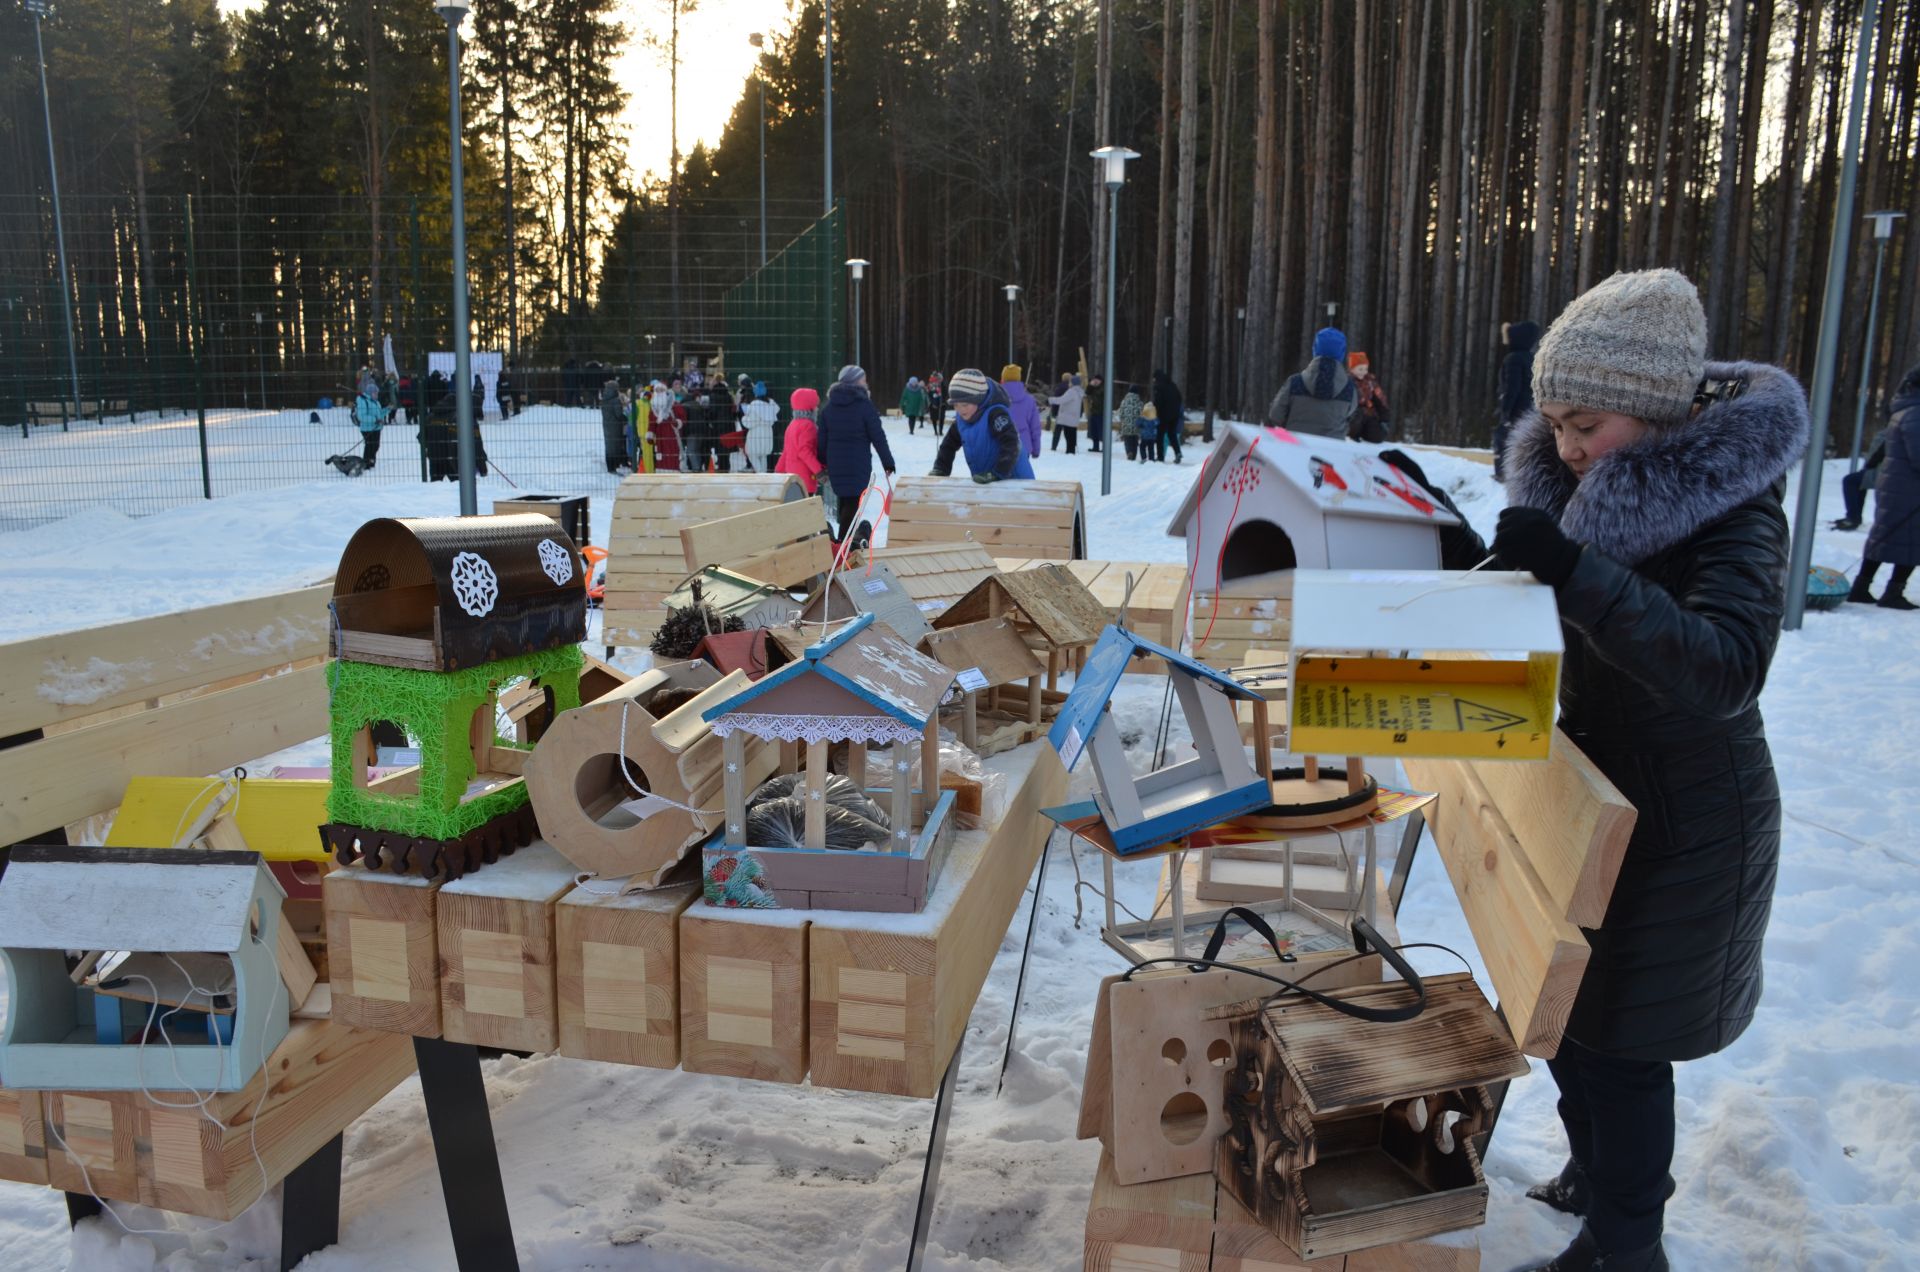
{"x": 193, "y": 354}
{"x": 419, "y": 351}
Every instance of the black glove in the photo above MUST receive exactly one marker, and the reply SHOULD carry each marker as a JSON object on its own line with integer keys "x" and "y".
{"x": 1529, "y": 539}
{"x": 984, "y": 479}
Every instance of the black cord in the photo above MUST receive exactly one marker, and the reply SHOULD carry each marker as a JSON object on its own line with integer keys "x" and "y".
{"x": 1377, "y": 1015}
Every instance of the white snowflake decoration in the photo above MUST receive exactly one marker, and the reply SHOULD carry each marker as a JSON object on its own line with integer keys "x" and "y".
{"x": 814, "y": 796}
{"x": 733, "y": 828}
{"x": 899, "y": 834}
{"x": 475, "y": 585}
{"x": 901, "y": 766}
{"x": 556, "y": 561}
{"x": 732, "y": 767}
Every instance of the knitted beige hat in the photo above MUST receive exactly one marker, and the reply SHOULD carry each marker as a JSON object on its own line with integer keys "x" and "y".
{"x": 1635, "y": 344}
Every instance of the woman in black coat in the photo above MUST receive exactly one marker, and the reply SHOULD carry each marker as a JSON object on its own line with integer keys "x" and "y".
{"x": 850, "y": 437}
{"x": 1895, "y": 537}
{"x": 1645, "y": 489}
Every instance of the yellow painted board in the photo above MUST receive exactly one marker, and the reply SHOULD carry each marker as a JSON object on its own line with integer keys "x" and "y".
{"x": 1446, "y": 709}
{"x": 279, "y": 817}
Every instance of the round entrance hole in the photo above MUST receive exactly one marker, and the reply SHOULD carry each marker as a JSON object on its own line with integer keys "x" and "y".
{"x": 1173, "y": 1051}
{"x": 1219, "y": 1053}
{"x": 1183, "y": 1119}
{"x": 602, "y": 790}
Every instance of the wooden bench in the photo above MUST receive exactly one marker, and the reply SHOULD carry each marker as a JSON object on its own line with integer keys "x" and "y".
{"x": 189, "y": 693}
{"x": 647, "y": 559}
{"x": 1046, "y": 520}
{"x": 784, "y": 544}
{"x": 58, "y": 412}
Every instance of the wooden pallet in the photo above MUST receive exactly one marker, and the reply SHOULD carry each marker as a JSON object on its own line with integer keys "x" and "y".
{"x": 648, "y": 559}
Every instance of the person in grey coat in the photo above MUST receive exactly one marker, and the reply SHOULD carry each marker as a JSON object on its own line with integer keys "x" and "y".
{"x": 613, "y": 425}
{"x": 1066, "y": 423}
{"x": 1320, "y": 398}
{"x": 1895, "y": 538}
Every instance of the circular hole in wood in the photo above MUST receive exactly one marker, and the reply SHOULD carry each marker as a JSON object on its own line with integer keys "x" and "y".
{"x": 1173, "y": 1051}
{"x": 1183, "y": 1119}
{"x": 602, "y": 790}
{"x": 1219, "y": 1053}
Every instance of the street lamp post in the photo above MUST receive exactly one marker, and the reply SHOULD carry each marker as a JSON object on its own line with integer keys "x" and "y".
{"x": 827, "y": 130}
{"x": 858, "y": 267}
{"x": 260, "y": 353}
{"x": 759, "y": 41}
{"x": 1236, "y": 359}
{"x": 1110, "y": 168}
{"x": 1882, "y": 231}
{"x": 455, "y": 12}
{"x": 1013, "y": 294}
{"x": 38, "y": 8}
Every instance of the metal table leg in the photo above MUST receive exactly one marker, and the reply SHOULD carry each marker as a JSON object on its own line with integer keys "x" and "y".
{"x": 936, "y": 1152}
{"x": 310, "y": 1205}
{"x": 1403, "y": 861}
{"x": 1026, "y": 954}
{"x": 469, "y": 1160}
{"x": 1176, "y": 895}
{"x": 80, "y": 1206}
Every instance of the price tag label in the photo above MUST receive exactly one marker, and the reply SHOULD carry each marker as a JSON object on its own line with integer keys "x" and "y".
{"x": 645, "y": 806}
{"x": 874, "y": 587}
{"x": 972, "y": 680}
{"x": 1071, "y": 747}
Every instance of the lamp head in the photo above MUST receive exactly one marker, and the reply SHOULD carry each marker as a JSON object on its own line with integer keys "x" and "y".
{"x": 1110, "y": 165}
{"x": 1012, "y": 290}
{"x": 1883, "y": 223}
{"x": 453, "y": 11}
{"x": 859, "y": 267}
{"x": 38, "y": 8}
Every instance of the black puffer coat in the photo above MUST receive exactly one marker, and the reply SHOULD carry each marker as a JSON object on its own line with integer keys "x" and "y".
{"x": 1895, "y": 537}
{"x": 1671, "y": 616}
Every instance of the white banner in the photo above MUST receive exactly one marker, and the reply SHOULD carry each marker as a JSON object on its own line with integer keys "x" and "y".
{"x": 485, "y": 365}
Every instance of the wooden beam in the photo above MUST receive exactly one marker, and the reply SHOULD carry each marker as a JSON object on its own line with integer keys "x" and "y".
{"x": 817, "y": 794}
{"x": 53, "y": 679}
{"x": 1572, "y": 822}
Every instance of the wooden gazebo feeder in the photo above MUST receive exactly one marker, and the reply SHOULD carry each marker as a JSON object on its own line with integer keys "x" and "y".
{"x": 1051, "y": 609}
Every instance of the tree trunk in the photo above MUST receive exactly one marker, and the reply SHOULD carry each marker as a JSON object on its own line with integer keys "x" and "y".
{"x": 1183, "y": 197}
{"x": 1570, "y": 157}
{"x": 1692, "y": 98}
{"x": 1163, "y": 217}
{"x": 1446, "y": 217}
{"x": 1546, "y": 138}
{"x": 1256, "y": 349}
{"x": 1787, "y": 183}
{"x": 1734, "y": 335}
{"x": 1103, "y": 136}
{"x": 1589, "y": 150}
{"x": 1720, "y": 283}
{"x": 1066, "y": 201}
{"x": 1412, "y": 235}
{"x": 1320, "y": 178}
{"x": 1360, "y": 209}
{"x": 1220, "y": 78}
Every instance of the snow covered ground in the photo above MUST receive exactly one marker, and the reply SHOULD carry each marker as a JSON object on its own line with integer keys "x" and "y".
{"x": 1799, "y": 1147}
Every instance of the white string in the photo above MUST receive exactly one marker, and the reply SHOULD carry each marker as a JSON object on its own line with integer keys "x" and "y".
{"x": 1449, "y": 586}
{"x": 641, "y": 790}
{"x": 210, "y": 791}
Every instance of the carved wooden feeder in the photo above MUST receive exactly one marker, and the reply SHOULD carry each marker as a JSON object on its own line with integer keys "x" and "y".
{"x": 861, "y": 685}
{"x": 622, "y": 785}
{"x": 867, "y": 589}
{"x": 436, "y": 621}
{"x": 190, "y": 936}
{"x": 1343, "y": 1134}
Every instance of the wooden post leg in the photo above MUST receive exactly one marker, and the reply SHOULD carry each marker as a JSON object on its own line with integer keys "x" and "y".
{"x": 1053, "y": 669}
{"x": 734, "y": 783}
{"x": 970, "y": 722}
{"x": 817, "y": 794}
{"x": 1262, "y": 740}
{"x": 462, "y": 1130}
{"x": 929, "y": 771}
{"x": 1033, "y": 699}
{"x": 1356, "y": 775}
{"x": 857, "y": 763}
{"x": 1310, "y": 766}
{"x": 310, "y": 1205}
{"x": 900, "y": 801}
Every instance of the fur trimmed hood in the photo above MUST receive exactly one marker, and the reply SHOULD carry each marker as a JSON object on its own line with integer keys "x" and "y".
{"x": 1644, "y": 498}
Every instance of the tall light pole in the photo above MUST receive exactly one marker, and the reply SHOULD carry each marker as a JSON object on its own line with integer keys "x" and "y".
{"x": 1235, "y": 358}
{"x": 455, "y": 13}
{"x": 1882, "y": 231}
{"x": 1827, "y": 349}
{"x": 858, "y": 267}
{"x": 1013, "y": 295}
{"x": 260, "y": 353}
{"x": 759, "y": 41}
{"x": 1110, "y": 170}
{"x": 38, "y": 8}
{"x": 827, "y": 168}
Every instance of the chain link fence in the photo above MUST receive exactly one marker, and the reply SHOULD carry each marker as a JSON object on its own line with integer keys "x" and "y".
{"x": 216, "y": 342}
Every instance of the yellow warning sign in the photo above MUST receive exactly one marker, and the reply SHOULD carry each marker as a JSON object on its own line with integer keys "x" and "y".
{"x": 1452, "y": 709}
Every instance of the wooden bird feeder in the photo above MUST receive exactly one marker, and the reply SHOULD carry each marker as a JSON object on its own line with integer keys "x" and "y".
{"x": 869, "y": 589}
{"x": 1051, "y": 609}
{"x": 1142, "y": 812}
{"x": 983, "y": 657}
{"x": 443, "y": 593}
{"x": 863, "y": 684}
{"x": 1423, "y": 663}
{"x": 1344, "y": 1134}
{"x": 201, "y": 932}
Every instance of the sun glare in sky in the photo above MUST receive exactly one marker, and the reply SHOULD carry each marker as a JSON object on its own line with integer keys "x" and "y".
{"x": 715, "y": 60}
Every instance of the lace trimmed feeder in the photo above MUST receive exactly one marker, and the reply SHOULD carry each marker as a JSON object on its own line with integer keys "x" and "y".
{"x": 862, "y": 685}
{"x": 436, "y": 620}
